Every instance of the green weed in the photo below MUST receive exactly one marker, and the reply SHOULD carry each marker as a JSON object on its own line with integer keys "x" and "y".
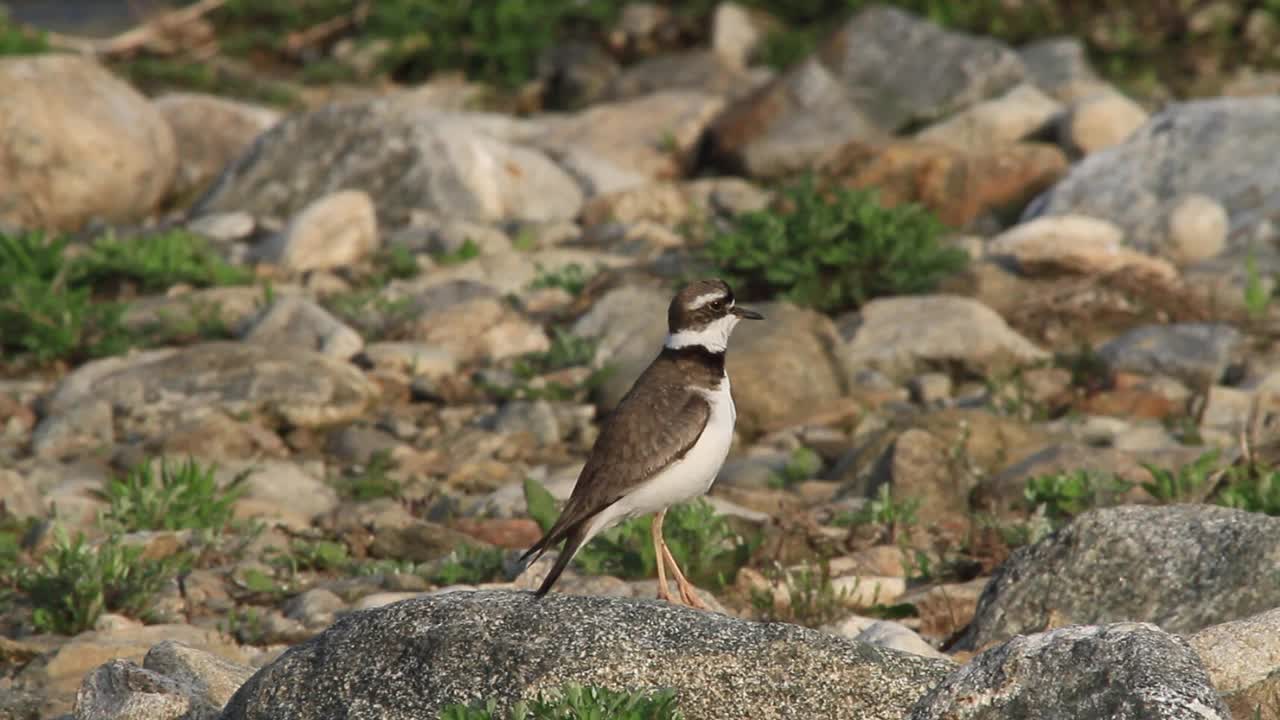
{"x": 571, "y": 278}
{"x": 834, "y": 250}
{"x": 156, "y": 262}
{"x": 19, "y": 41}
{"x": 1178, "y": 485}
{"x": 884, "y": 510}
{"x": 373, "y": 481}
{"x": 812, "y": 599}
{"x": 183, "y": 497}
{"x": 467, "y": 251}
{"x": 467, "y": 565}
{"x": 1067, "y": 494}
{"x": 1252, "y": 489}
{"x": 74, "y": 583}
{"x": 803, "y": 465}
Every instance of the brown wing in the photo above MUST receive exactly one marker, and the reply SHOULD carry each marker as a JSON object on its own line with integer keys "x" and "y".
{"x": 631, "y": 448}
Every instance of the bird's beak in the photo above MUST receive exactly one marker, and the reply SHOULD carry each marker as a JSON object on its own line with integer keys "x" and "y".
{"x": 746, "y": 314}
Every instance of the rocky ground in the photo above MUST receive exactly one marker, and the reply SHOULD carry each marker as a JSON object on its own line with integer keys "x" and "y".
{"x": 283, "y": 404}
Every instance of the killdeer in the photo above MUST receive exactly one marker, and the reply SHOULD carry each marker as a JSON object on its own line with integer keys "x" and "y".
{"x": 665, "y": 441}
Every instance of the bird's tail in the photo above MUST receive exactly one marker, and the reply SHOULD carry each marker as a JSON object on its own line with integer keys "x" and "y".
{"x": 574, "y": 540}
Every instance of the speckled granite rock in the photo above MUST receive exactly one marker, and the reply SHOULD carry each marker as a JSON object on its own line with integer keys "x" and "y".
{"x": 412, "y": 658}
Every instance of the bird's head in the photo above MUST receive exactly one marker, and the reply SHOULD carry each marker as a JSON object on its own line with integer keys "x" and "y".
{"x": 704, "y": 313}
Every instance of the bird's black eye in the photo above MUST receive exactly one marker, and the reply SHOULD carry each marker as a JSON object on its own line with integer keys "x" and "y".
{"x": 717, "y": 305}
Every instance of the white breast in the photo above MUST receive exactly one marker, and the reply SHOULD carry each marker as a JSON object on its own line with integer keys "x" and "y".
{"x": 686, "y": 478}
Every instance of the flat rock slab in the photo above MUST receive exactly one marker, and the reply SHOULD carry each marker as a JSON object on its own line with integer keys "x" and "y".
{"x": 303, "y": 388}
{"x": 1182, "y": 567}
{"x": 412, "y": 658}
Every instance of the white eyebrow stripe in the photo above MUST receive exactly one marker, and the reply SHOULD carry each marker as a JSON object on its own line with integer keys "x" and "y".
{"x": 705, "y": 299}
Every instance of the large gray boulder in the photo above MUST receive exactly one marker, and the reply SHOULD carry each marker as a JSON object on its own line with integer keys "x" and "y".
{"x": 1121, "y": 671}
{"x": 406, "y": 155}
{"x": 883, "y": 71}
{"x": 410, "y": 659}
{"x": 1217, "y": 148}
{"x": 1182, "y": 567}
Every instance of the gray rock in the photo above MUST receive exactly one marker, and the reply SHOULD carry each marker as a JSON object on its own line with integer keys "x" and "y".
{"x": 1240, "y": 653}
{"x": 304, "y": 388}
{"x": 789, "y": 124}
{"x": 295, "y": 322}
{"x": 1208, "y": 147}
{"x": 654, "y": 135}
{"x": 84, "y": 427}
{"x": 78, "y": 143}
{"x": 210, "y": 132}
{"x": 902, "y": 336}
{"x": 1182, "y": 567}
{"x": 1060, "y": 67}
{"x": 1120, "y": 671}
{"x": 335, "y": 230}
{"x": 536, "y": 418}
{"x": 933, "y": 72}
{"x": 701, "y": 70}
{"x": 120, "y": 690}
{"x": 404, "y": 154}
{"x": 315, "y": 607}
{"x": 208, "y": 679}
{"x": 1195, "y": 353}
{"x": 224, "y": 227}
{"x": 280, "y": 490}
{"x": 629, "y": 324}
{"x": 417, "y": 359}
{"x": 410, "y": 659}
{"x": 19, "y": 495}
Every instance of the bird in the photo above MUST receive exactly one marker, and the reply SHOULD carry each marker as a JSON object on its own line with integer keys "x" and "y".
{"x": 664, "y": 442}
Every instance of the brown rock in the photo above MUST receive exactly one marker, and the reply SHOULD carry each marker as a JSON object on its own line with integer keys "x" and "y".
{"x": 77, "y": 143}
{"x": 512, "y": 533}
{"x": 961, "y": 187}
{"x": 210, "y": 132}
{"x": 946, "y": 609}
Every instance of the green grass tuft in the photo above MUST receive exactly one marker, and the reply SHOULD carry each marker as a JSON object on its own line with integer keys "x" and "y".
{"x": 74, "y": 583}
{"x": 183, "y": 497}
{"x": 835, "y": 250}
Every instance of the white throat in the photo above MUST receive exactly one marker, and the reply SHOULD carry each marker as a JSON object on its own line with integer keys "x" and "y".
{"x": 713, "y": 336}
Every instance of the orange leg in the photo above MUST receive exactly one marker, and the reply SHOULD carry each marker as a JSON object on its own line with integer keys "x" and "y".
{"x": 664, "y": 592}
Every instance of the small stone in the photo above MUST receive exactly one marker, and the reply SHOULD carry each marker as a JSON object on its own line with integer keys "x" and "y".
{"x": 416, "y": 359}
{"x": 297, "y": 322}
{"x": 1101, "y": 121}
{"x": 282, "y": 491}
{"x": 316, "y": 607}
{"x": 897, "y": 636}
{"x": 224, "y": 227}
{"x": 1197, "y": 228}
{"x": 536, "y": 418}
{"x": 1226, "y": 408}
{"x": 120, "y": 690}
{"x": 210, "y": 132}
{"x": 1060, "y": 67}
{"x": 1010, "y": 118}
{"x": 207, "y": 678}
{"x": 85, "y": 427}
{"x": 335, "y": 231}
{"x": 1075, "y": 244}
{"x": 899, "y": 336}
{"x": 930, "y": 388}
{"x": 1240, "y": 653}
{"x": 1195, "y": 353}
{"x": 734, "y": 35}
